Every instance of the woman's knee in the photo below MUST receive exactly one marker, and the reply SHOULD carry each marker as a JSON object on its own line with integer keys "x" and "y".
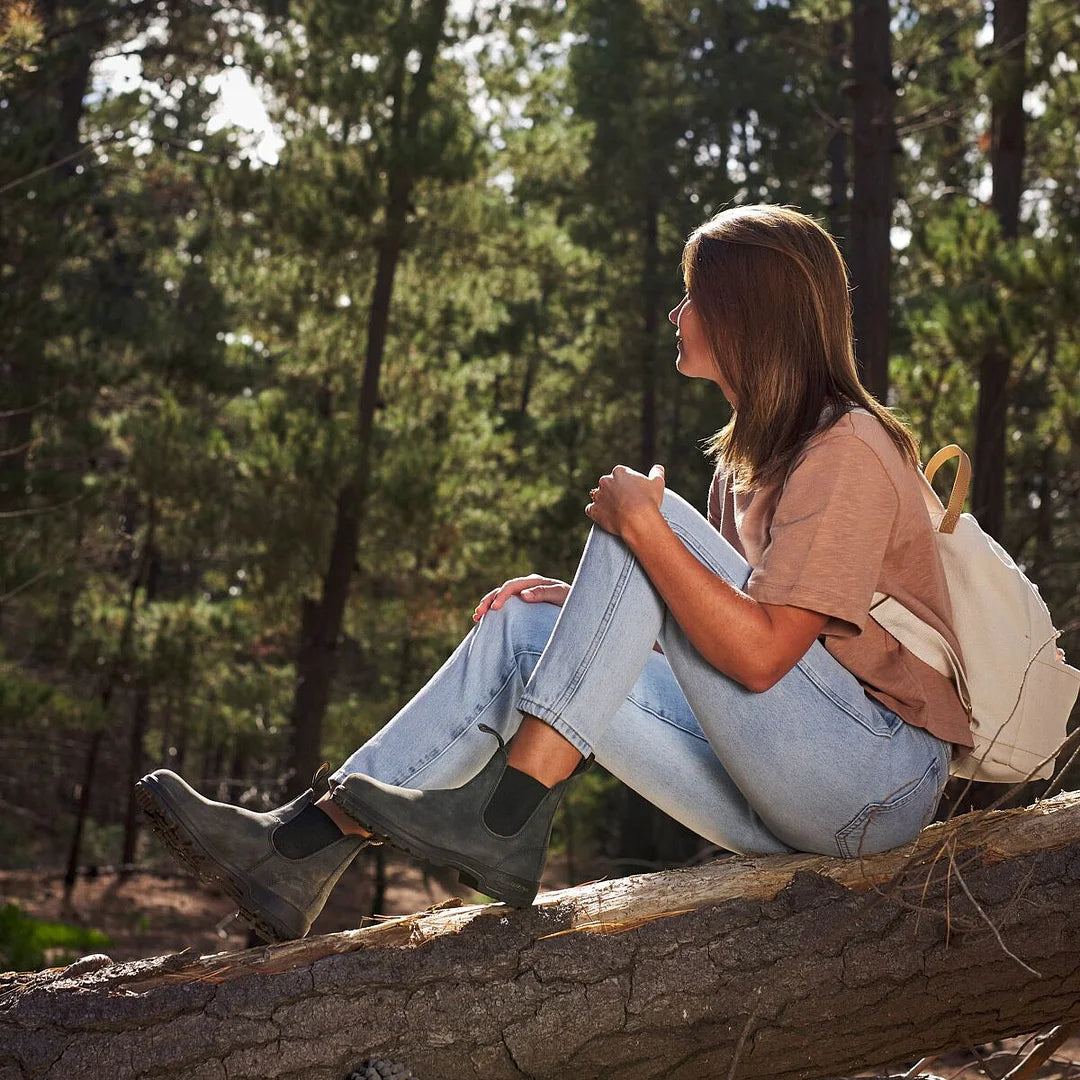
{"x": 674, "y": 505}
{"x": 520, "y": 626}
{"x": 703, "y": 540}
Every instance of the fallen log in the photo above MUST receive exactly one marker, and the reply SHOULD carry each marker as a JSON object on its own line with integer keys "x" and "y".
{"x": 787, "y": 967}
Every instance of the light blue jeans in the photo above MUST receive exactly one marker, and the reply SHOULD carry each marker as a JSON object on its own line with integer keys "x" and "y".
{"x": 813, "y": 764}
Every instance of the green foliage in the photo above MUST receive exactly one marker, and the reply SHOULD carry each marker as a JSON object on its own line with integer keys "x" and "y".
{"x": 27, "y": 944}
{"x": 28, "y": 703}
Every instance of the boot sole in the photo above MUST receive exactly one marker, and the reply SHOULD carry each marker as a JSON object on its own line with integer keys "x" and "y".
{"x": 512, "y": 890}
{"x": 255, "y": 903}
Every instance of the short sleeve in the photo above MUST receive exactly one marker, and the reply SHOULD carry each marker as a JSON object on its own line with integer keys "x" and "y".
{"x": 829, "y": 534}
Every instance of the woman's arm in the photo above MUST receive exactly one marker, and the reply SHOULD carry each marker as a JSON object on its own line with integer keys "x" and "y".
{"x": 755, "y": 643}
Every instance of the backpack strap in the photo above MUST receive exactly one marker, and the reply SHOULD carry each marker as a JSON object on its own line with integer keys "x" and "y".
{"x": 915, "y": 635}
{"x": 960, "y": 485}
{"x": 923, "y": 640}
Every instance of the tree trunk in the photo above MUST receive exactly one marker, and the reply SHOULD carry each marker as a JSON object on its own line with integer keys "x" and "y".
{"x": 140, "y": 722}
{"x": 176, "y": 762}
{"x": 874, "y": 137}
{"x": 650, "y": 303}
{"x": 839, "y": 210}
{"x": 140, "y": 715}
{"x": 787, "y": 967}
{"x": 93, "y": 748}
{"x": 952, "y": 151}
{"x": 1007, "y": 165}
{"x": 322, "y": 618}
{"x": 121, "y": 661}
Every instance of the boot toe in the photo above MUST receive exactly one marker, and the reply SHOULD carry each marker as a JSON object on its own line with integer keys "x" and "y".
{"x": 233, "y": 848}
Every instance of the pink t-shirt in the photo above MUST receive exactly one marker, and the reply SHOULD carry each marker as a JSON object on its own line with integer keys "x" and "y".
{"x": 849, "y": 521}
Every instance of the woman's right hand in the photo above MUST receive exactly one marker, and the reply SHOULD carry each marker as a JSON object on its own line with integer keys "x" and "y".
{"x": 533, "y": 588}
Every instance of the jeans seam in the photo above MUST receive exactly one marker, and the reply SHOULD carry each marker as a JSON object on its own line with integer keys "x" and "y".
{"x": 840, "y": 703}
{"x": 703, "y": 554}
{"x": 946, "y": 755}
{"x": 562, "y": 702}
{"x": 667, "y": 720}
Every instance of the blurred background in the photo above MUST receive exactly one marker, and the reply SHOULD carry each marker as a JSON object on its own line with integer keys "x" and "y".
{"x": 318, "y": 320}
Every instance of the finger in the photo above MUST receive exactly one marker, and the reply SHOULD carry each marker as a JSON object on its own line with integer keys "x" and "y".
{"x": 551, "y": 594}
{"x": 497, "y": 597}
{"x": 508, "y": 589}
{"x": 485, "y": 603}
{"x": 657, "y": 471}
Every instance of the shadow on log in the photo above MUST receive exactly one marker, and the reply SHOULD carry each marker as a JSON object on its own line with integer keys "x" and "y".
{"x": 786, "y": 967}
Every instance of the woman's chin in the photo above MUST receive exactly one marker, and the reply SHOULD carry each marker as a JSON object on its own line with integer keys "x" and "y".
{"x": 681, "y": 366}
{"x": 686, "y": 369}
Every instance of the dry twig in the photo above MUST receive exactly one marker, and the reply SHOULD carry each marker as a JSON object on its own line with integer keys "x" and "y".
{"x": 989, "y": 922}
{"x": 1041, "y": 1052}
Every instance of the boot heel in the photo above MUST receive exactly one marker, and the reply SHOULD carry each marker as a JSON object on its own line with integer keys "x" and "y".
{"x": 271, "y": 917}
{"x": 515, "y": 891}
{"x": 510, "y": 890}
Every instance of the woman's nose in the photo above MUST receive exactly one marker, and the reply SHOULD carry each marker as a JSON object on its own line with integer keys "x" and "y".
{"x": 673, "y": 315}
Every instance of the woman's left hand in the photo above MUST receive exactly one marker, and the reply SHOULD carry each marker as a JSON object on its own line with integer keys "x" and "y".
{"x": 623, "y": 495}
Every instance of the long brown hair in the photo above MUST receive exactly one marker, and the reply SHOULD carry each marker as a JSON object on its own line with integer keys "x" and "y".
{"x": 771, "y": 289}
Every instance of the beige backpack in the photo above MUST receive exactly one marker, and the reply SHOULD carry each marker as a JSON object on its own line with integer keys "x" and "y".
{"x": 1013, "y": 682}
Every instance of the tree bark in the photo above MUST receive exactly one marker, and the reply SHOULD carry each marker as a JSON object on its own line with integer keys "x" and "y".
{"x": 873, "y": 141}
{"x": 788, "y": 967}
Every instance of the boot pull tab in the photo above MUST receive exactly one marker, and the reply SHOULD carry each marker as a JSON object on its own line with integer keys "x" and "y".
{"x": 320, "y": 772}
{"x": 492, "y": 731}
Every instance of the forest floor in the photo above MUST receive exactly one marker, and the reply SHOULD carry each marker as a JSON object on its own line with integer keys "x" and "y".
{"x": 156, "y": 911}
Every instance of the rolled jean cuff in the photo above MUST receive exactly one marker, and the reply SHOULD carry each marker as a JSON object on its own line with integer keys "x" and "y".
{"x": 542, "y": 712}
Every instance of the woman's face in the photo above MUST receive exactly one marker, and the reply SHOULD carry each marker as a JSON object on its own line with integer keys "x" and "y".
{"x": 694, "y": 358}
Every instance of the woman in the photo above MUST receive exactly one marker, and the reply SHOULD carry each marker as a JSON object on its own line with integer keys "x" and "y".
{"x": 725, "y": 668}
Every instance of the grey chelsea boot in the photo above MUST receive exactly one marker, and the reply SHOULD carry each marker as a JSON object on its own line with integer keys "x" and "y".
{"x": 445, "y": 826}
{"x": 234, "y": 848}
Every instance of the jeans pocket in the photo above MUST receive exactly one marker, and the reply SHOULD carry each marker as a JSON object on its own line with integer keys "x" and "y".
{"x": 880, "y": 826}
